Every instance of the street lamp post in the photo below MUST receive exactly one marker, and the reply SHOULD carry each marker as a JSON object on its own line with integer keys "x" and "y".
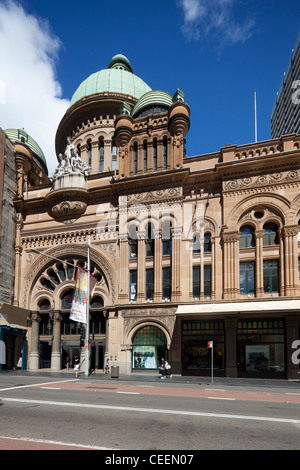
{"x": 87, "y": 332}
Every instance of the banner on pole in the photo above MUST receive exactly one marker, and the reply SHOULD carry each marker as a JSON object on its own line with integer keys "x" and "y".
{"x": 210, "y": 344}
{"x": 79, "y": 302}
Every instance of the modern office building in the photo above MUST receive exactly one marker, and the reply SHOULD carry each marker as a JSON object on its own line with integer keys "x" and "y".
{"x": 285, "y": 117}
{"x": 185, "y": 250}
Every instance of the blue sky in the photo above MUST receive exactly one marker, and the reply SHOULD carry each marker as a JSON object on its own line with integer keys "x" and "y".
{"x": 216, "y": 51}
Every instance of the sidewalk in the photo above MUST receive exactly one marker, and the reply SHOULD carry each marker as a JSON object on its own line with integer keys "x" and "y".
{"x": 155, "y": 379}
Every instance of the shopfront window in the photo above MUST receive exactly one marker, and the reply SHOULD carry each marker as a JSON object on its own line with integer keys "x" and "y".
{"x": 148, "y": 347}
{"x": 260, "y": 347}
{"x": 196, "y": 356}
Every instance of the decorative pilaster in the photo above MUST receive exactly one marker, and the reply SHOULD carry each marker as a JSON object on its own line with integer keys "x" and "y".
{"x": 55, "y": 355}
{"x": 231, "y": 264}
{"x": 290, "y": 234}
{"x": 34, "y": 352}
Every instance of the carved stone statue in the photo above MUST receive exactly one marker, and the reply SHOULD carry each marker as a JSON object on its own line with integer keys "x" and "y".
{"x": 70, "y": 162}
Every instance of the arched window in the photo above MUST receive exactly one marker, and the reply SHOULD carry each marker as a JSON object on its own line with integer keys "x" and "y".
{"x": 154, "y": 154}
{"x": 207, "y": 243}
{"x": 89, "y": 147}
{"x": 66, "y": 299}
{"x": 133, "y": 243}
{"x": 44, "y": 304}
{"x": 145, "y": 156}
{"x": 165, "y": 153}
{"x": 101, "y": 155}
{"x": 270, "y": 234}
{"x": 135, "y": 158}
{"x": 114, "y": 156}
{"x": 149, "y": 241}
{"x": 247, "y": 239}
{"x": 196, "y": 243}
{"x": 148, "y": 347}
{"x": 97, "y": 319}
{"x": 166, "y": 238}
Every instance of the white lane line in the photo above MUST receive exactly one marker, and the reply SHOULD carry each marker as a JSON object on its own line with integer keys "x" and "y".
{"x": 36, "y": 385}
{"x": 129, "y": 393}
{"x": 57, "y": 443}
{"x": 152, "y": 410}
{"x": 220, "y": 398}
{"x": 50, "y": 388}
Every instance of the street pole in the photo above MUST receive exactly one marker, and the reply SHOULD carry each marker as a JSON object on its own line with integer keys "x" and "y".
{"x": 212, "y": 363}
{"x": 87, "y": 332}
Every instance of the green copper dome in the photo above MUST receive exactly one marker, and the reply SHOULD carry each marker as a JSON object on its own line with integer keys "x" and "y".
{"x": 117, "y": 78}
{"x": 20, "y": 135}
{"x": 155, "y": 101}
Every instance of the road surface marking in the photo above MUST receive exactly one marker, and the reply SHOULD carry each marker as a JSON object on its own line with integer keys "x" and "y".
{"x": 129, "y": 393}
{"x": 50, "y": 388}
{"x": 57, "y": 443}
{"x": 153, "y": 410}
{"x": 36, "y": 385}
{"x": 220, "y": 398}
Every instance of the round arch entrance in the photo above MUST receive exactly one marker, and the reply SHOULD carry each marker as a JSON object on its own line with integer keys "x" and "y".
{"x": 149, "y": 345}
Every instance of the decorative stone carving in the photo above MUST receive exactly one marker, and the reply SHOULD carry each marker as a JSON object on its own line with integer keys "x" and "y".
{"x": 68, "y": 199}
{"x": 70, "y": 162}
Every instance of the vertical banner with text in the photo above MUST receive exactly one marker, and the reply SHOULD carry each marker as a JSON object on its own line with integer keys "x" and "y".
{"x": 80, "y": 297}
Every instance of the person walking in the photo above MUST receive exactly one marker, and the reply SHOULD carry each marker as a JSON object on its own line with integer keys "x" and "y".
{"x": 163, "y": 368}
{"x": 107, "y": 366}
{"x": 76, "y": 365}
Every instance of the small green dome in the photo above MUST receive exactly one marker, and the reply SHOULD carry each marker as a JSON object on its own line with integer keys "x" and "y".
{"x": 117, "y": 78}
{"x": 155, "y": 101}
{"x": 20, "y": 135}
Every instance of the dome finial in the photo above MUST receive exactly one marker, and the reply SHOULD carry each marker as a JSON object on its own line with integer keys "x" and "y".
{"x": 119, "y": 61}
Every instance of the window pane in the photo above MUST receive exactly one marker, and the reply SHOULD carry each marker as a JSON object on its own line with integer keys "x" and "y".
{"x": 196, "y": 281}
{"x": 133, "y": 285}
{"x": 166, "y": 283}
{"x": 149, "y": 284}
{"x": 207, "y": 281}
{"x": 247, "y": 277}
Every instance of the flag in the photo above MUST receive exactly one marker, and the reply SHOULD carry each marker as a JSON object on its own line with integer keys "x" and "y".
{"x": 210, "y": 344}
{"x": 79, "y": 302}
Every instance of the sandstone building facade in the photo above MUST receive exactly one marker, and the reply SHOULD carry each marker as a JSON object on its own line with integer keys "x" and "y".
{"x": 186, "y": 250}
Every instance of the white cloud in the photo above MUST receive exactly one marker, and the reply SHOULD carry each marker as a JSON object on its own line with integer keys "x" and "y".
{"x": 214, "y": 17}
{"x": 31, "y": 95}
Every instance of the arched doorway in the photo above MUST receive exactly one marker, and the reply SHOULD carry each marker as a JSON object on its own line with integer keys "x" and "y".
{"x": 149, "y": 345}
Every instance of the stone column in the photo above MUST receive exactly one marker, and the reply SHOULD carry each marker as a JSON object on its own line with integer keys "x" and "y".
{"x": 95, "y": 157}
{"x": 230, "y": 347}
{"x": 292, "y": 326}
{"x": 55, "y": 355}
{"x": 18, "y": 250}
{"x": 107, "y": 154}
{"x": 35, "y": 333}
{"x": 159, "y": 154}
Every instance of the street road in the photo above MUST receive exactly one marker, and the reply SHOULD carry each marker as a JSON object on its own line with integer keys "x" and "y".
{"x": 117, "y": 415}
